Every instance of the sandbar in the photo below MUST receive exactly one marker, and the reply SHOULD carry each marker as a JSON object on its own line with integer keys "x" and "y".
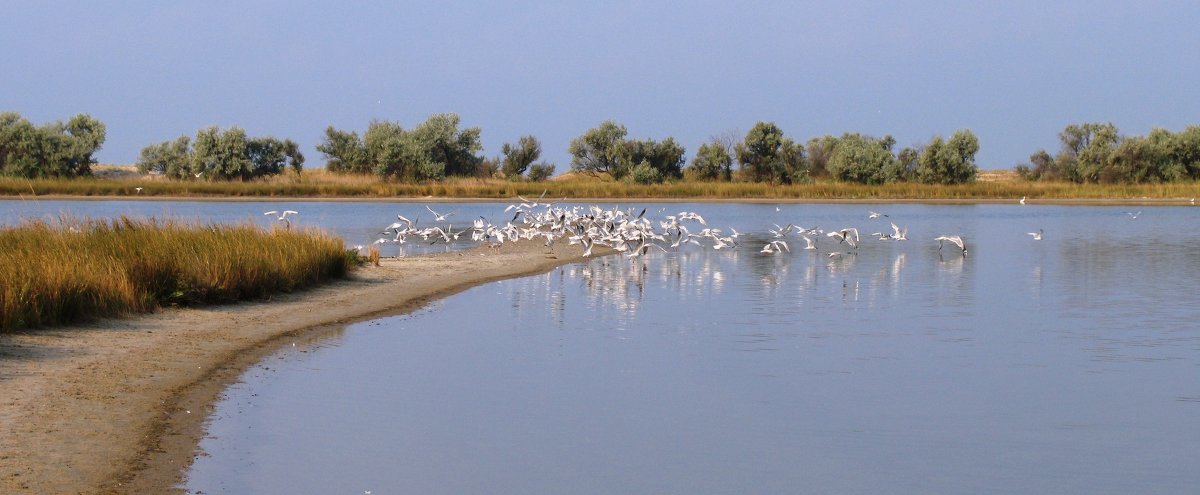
{"x": 118, "y": 406}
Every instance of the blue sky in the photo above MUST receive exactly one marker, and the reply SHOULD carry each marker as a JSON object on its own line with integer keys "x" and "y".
{"x": 1015, "y": 73}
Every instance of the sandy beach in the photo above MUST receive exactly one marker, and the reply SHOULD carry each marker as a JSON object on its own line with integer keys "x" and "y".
{"x": 118, "y": 406}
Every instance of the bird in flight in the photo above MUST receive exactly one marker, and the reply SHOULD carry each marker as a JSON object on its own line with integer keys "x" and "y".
{"x": 1037, "y": 236}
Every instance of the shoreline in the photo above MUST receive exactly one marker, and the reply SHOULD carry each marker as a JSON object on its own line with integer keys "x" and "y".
{"x": 119, "y": 406}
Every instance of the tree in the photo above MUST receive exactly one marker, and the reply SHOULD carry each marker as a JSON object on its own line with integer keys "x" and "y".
{"x": 712, "y": 162}
{"x": 51, "y": 150}
{"x": 221, "y": 155}
{"x": 949, "y": 162}
{"x": 601, "y": 150}
{"x": 172, "y": 159}
{"x": 1086, "y": 150}
{"x": 518, "y": 158}
{"x": 540, "y": 171}
{"x": 864, "y": 159}
{"x": 292, "y": 151}
{"x": 665, "y": 157}
{"x": 344, "y": 152}
{"x": 456, "y": 150}
{"x": 218, "y": 154}
{"x": 768, "y": 156}
{"x": 820, "y": 150}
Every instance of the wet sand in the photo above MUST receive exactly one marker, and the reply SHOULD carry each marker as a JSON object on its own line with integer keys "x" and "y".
{"x": 118, "y": 406}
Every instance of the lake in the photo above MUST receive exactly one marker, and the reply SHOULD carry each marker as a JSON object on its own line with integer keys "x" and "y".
{"x": 1066, "y": 365}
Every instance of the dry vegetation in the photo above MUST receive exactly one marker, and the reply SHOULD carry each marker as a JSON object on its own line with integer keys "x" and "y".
{"x": 76, "y": 270}
{"x": 322, "y": 184}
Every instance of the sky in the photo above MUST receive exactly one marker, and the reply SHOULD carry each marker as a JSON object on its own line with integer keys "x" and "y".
{"x": 1014, "y": 73}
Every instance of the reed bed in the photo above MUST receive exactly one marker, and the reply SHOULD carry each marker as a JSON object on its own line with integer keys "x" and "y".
{"x": 78, "y": 270}
{"x": 320, "y": 184}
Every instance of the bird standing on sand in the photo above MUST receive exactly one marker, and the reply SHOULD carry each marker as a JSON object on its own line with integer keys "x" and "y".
{"x": 1022, "y": 199}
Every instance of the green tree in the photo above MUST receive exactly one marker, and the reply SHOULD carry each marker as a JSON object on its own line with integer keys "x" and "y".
{"x": 820, "y": 150}
{"x": 645, "y": 173}
{"x": 949, "y": 162}
{"x": 712, "y": 162}
{"x": 457, "y": 150}
{"x": 541, "y": 171}
{"x": 221, "y": 154}
{"x": 172, "y": 159}
{"x": 344, "y": 152}
{"x": 518, "y": 158}
{"x": 601, "y": 150}
{"x": 864, "y": 159}
{"x": 766, "y": 155}
{"x": 51, "y": 150}
{"x": 666, "y": 156}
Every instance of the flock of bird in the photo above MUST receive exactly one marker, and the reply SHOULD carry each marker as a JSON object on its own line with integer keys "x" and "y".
{"x": 627, "y": 231}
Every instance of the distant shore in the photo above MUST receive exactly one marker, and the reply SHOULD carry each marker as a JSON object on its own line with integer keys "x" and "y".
{"x": 319, "y": 185}
{"x": 118, "y": 406}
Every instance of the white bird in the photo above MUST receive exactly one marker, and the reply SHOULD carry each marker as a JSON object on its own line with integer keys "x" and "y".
{"x": 139, "y": 190}
{"x": 775, "y": 247}
{"x": 438, "y": 217}
{"x": 1022, "y": 199}
{"x": 956, "y": 240}
{"x": 808, "y": 242}
{"x": 848, "y": 235}
{"x": 899, "y": 234}
{"x": 283, "y": 217}
{"x": 1133, "y": 215}
{"x": 1037, "y": 236}
{"x": 871, "y": 214}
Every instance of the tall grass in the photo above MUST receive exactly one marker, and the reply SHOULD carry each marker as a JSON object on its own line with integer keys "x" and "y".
{"x": 77, "y": 270}
{"x": 320, "y": 184}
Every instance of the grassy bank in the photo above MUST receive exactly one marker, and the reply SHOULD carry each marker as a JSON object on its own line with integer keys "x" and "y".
{"x": 319, "y": 184}
{"x": 73, "y": 271}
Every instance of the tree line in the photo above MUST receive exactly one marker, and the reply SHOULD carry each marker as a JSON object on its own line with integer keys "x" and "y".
{"x": 439, "y": 148}
{"x": 1097, "y": 152}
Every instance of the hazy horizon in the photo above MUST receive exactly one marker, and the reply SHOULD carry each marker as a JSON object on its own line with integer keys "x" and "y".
{"x": 1014, "y": 73}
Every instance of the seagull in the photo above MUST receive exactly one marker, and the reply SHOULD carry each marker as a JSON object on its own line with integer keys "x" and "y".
{"x": 139, "y": 190}
{"x": 808, "y": 242}
{"x": 956, "y": 240}
{"x": 1133, "y": 215}
{"x": 899, "y": 234}
{"x": 871, "y": 214}
{"x": 438, "y": 217}
{"x": 1193, "y": 201}
{"x": 1022, "y": 199}
{"x": 198, "y": 174}
{"x": 775, "y": 247}
{"x": 845, "y": 236}
{"x": 1037, "y": 236}
{"x": 283, "y": 217}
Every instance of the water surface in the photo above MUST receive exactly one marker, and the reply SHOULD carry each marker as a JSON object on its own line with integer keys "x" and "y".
{"x": 1069, "y": 365}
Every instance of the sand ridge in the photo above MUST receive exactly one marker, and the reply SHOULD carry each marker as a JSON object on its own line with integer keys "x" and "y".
{"x": 118, "y": 406}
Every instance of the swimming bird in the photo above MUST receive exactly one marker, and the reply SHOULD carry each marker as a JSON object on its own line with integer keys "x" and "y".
{"x": 954, "y": 239}
{"x": 1037, "y": 236}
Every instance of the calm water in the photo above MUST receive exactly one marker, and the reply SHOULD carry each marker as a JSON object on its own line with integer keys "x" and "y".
{"x": 1069, "y": 365}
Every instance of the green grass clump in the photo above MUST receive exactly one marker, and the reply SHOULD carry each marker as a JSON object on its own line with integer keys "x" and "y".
{"x": 79, "y": 270}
